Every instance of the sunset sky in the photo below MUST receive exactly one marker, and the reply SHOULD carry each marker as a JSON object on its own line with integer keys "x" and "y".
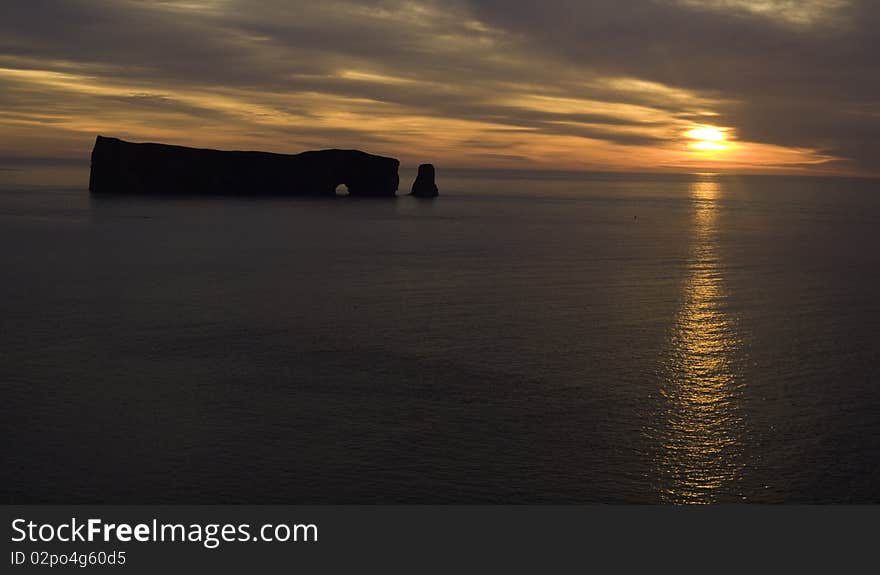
{"x": 753, "y": 86}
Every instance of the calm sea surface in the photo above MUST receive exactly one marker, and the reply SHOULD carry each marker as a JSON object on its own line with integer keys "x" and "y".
{"x": 520, "y": 339}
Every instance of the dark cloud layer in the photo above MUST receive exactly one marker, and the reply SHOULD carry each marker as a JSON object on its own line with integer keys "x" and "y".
{"x": 498, "y": 78}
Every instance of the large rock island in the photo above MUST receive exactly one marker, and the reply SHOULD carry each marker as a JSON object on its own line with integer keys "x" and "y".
{"x": 125, "y": 167}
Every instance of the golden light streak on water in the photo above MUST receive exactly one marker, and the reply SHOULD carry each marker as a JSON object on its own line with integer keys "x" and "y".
{"x": 700, "y": 433}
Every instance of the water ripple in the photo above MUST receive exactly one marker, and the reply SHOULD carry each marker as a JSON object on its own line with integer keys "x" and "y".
{"x": 699, "y": 436}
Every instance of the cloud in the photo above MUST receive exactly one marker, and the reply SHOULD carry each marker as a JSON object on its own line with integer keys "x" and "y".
{"x": 568, "y": 84}
{"x": 792, "y": 73}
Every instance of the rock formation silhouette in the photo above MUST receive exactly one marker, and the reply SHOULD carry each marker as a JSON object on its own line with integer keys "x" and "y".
{"x": 424, "y": 186}
{"x": 125, "y": 167}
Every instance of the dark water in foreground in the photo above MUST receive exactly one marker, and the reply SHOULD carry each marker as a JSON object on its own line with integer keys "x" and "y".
{"x": 628, "y": 339}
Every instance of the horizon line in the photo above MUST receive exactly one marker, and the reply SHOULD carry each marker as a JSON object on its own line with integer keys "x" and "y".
{"x": 19, "y": 163}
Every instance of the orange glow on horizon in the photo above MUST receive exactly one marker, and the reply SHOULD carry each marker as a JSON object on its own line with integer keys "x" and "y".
{"x": 637, "y": 138}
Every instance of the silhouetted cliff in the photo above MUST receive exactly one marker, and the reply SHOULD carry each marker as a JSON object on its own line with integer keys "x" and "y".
{"x": 424, "y": 186}
{"x": 124, "y": 167}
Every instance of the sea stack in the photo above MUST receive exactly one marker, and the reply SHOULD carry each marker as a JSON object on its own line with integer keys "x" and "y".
{"x": 120, "y": 167}
{"x": 424, "y": 186}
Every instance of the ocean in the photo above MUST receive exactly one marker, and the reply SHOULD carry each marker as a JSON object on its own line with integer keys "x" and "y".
{"x": 523, "y": 338}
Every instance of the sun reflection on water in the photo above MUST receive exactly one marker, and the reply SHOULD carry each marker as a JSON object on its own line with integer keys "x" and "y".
{"x": 700, "y": 424}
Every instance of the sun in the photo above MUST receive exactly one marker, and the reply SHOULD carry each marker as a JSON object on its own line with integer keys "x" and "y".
{"x": 708, "y": 138}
